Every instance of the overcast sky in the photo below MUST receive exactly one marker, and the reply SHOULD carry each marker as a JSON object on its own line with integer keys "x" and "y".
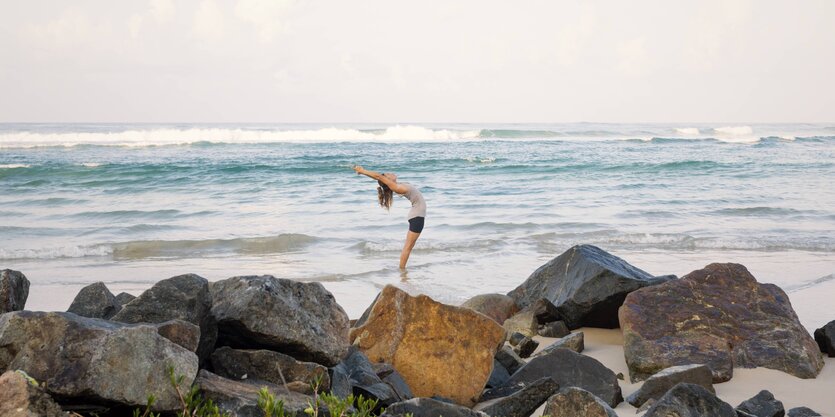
{"x": 416, "y": 61}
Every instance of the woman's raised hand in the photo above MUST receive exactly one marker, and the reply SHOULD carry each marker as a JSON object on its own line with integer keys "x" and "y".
{"x": 357, "y": 169}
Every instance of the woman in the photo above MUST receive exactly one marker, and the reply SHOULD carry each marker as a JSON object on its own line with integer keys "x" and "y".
{"x": 387, "y": 183}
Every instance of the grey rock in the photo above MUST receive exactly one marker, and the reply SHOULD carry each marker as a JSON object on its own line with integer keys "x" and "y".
{"x": 95, "y": 301}
{"x": 240, "y": 399}
{"x": 574, "y": 342}
{"x": 762, "y": 405}
{"x": 499, "y": 376}
{"x": 428, "y": 407}
{"x": 19, "y": 398}
{"x": 365, "y": 381}
{"x": 802, "y": 412}
{"x": 266, "y": 365}
{"x": 572, "y": 369}
{"x": 657, "y": 385}
{"x": 123, "y": 298}
{"x": 505, "y": 390}
{"x": 93, "y": 360}
{"x": 305, "y": 320}
{"x": 184, "y": 297}
{"x": 586, "y": 284}
{"x": 498, "y": 307}
{"x": 521, "y": 403}
{"x": 545, "y": 311}
{"x": 399, "y": 385}
{"x": 509, "y": 359}
{"x": 525, "y": 347}
{"x": 523, "y": 322}
{"x": 554, "y": 329}
{"x": 180, "y": 332}
{"x": 340, "y": 382}
{"x": 574, "y": 402}
{"x": 690, "y": 400}
{"x": 515, "y": 338}
{"x": 825, "y": 338}
{"x": 14, "y": 290}
{"x": 645, "y": 406}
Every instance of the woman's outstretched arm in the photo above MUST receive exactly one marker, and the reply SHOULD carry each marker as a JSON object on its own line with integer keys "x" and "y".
{"x": 397, "y": 188}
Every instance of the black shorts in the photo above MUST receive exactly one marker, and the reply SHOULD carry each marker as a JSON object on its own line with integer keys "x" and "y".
{"x": 416, "y": 224}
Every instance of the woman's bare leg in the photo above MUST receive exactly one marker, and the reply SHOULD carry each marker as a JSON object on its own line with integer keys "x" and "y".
{"x": 411, "y": 238}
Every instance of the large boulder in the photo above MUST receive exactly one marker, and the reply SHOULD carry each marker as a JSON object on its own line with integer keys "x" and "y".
{"x": 92, "y": 360}
{"x": 690, "y": 400}
{"x": 266, "y": 365}
{"x": 521, "y": 403}
{"x": 438, "y": 349}
{"x": 300, "y": 319}
{"x": 20, "y": 398}
{"x": 825, "y": 338}
{"x": 802, "y": 412}
{"x": 762, "y": 405}
{"x": 575, "y": 402}
{"x": 719, "y": 316}
{"x": 572, "y": 369}
{"x": 14, "y": 290}
{"x": 586, "y": 284}
{"x": 428, "y": 407}
{"x": 184, "y": 297}
{"x": 240, "y": 399}
{"x": 95, "y": 301}
{"x": 574, "y": 341}
{"x": 658, "y": 384}
{"x": 498, "y": 307}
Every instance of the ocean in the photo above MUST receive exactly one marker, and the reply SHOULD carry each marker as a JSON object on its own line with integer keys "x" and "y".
{"x": 131, "y": 204}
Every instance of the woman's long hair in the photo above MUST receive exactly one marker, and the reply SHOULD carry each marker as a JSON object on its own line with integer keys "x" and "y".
{"x": 384, "y": 195}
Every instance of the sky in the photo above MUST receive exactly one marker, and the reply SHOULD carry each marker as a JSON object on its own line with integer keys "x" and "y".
{"x": 478, "y": 61}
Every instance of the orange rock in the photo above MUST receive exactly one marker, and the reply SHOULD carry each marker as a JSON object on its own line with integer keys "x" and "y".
{"x": 438, "y": 349}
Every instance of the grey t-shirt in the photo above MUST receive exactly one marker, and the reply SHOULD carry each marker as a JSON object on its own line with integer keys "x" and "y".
{"x": 416, "y": 198}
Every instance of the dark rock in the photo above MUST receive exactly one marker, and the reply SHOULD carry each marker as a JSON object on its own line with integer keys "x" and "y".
{"x": 572, "y": 369}
{"x": 383, "y": 369}
{"x": 499, "y": 376}
{"x": 509, "y": 359}
{"x": 240, "y": 399}
{"x": 94, "y": 360}
{"x": 340, "y": 382}
{"x": 802, "y": 412}
{"x": 14, "y": 290}
{"x": 645, "y": 406}
{"x": 428, "y": 407}
{"x": 364, "y": 380}
{"x": 587, "y": 285}
{"x": 123, "y": 298}
{"x": 184, "y": 297}
{"x": 19, "y": 398}
{"x": 657, "y": 385}
{"x": 521, "y": 403}
{"x": 399, "y": 385}
{"x": 526, "y": 347}
{"x": 95, "y": 301}
{"x": 180, "y": 332}
{"x": 498, "y": 307}
{"x": 690, "y": 400}
{"x": 523, "y": 322}
{"x": 575, "y": 402}
{"x": 545, "y": 311}
{"x": 305, "y": 320}
{"x": 762, "y": 405}
{"x": 266, "y": 365}
{"x": 719, "y": 316}
{"x": 825, "y": 338}
{"x": 505, "y": 390}
{"x": 554, "y": 329}
{"x": 575, "y": 342}
{"x": 515, "y": 338}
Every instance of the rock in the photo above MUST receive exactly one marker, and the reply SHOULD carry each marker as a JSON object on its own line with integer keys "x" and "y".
{"x": 19, "y": 398}
{"x": 438, "y": 349}
{"x": 762, "y": 405}
{"x": 123, "y": 298}
{"x": 572, "y": 369}
{"x": 521, "y": 403}
{"x": 509, "y": 359}
{"x": 305, "y": 320}
{"x": 184, "y": 297}
{"x": 515, "y": 338}
{"x": 545, "y": 311}
{"x": 574, "y": 401}
{"x": 240, "y": 399}
{"x": 498, "y": 307}
{"x": 365, "y": 381}
{"x": 399, "y": 385}
{"x": 180, "y": 332}
{"x": 340, "y": 382}
{"x": 802, "y": 412}
{"x": 266, "y": 365}
{"x": 574, "y": 341}
{"x": 645, "y": 406}
{"x": 94, "y": 360}
{"x": 499, "y": 376}
{"x": 95, "y": 301}
{"x": 586, "y": 284}
{"x": 825, "y": 338}
{"x": 554, "y": 329}
{"x": 526, "y": 347}
{"x": 382, "y": 369}
{"x": 428, "y": 407}
{"x": 14, "y": 290}
{"x": 690, "y": 400}
{"x": 657, "y": 385}
{"x": 523, "y": 322}
{"x": 719, "y": 316}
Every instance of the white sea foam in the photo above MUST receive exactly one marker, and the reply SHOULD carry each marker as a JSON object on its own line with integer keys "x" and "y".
{"x": 483, "y": 160}
{"x": 91, "y": 164}
{"x": 10, "y": 166}
{"x": 734, "y": 130}
{"x": 77, "y": 251}
{"x": 690, "y": 131}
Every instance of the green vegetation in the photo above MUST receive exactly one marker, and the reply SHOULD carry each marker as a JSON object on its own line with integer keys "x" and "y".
{"x": 192, "y": 403}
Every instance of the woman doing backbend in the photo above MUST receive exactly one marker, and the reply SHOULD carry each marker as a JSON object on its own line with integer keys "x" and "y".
{"x": 387, "y": 184}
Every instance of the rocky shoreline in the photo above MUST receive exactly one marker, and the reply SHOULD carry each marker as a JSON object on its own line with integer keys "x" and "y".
{"x": 229, "y": 339}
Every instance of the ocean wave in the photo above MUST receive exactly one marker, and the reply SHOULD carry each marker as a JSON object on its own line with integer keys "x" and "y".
{"x": 687, "y": 130}
{"x": 809, "y": 284}
{"x": 14, "y": 166}
{"x": 734, "y": 130}
{"x": 371, "y": 247}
